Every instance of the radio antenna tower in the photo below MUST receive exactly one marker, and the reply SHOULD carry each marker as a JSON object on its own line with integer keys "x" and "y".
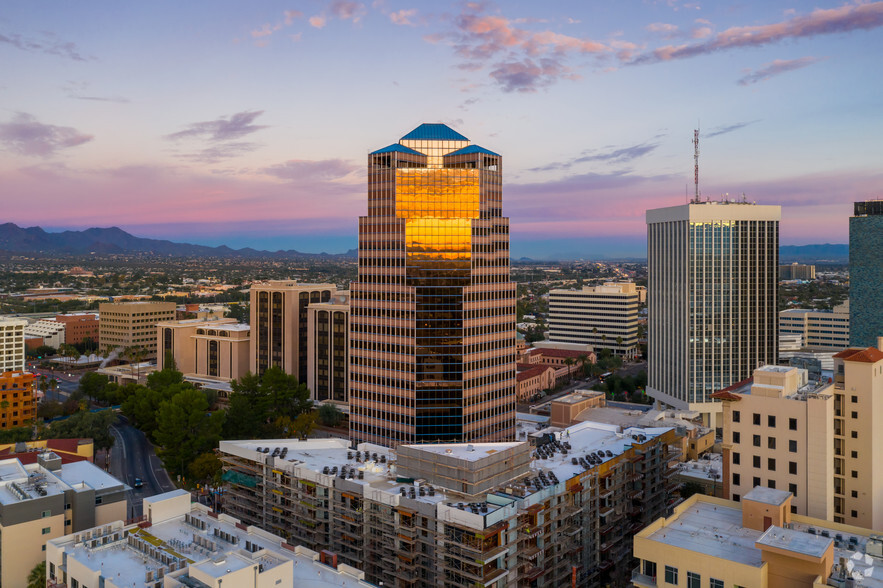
{"x": 696, "y": 198}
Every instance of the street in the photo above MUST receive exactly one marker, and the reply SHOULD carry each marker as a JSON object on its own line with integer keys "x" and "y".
{"x": 629, "y": 369}
{"x": 131, "y": 457}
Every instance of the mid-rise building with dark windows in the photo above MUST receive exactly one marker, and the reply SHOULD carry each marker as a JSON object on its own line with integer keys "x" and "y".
{"x": 279, "y": 324}
{"x": 432, "y": 341}
{"x": 328, "y": 353}
{"x": 711, "y": 299}
{"x": 865, "y": 273}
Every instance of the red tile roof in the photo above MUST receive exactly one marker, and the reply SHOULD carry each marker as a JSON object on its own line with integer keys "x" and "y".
{"x": 532, "y": 372}
{"x": 869, "y": 355}
{"x": 560, "y": 352}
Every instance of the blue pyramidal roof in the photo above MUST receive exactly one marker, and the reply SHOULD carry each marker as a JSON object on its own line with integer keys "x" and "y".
{"x": 434, "y": 132}
{"x": 397, "y": 148}
{"x": 473, "y": 149}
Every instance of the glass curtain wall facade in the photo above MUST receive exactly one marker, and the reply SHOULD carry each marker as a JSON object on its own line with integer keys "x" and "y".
{"x": 713, "y": 317}
{"x": 432, "y": 341}
{"x": 866, "y": 274}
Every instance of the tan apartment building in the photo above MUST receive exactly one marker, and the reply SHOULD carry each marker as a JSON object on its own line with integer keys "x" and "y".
{"x": 820, "y": 330}
{"x": 132, "y": 324}
{"x": 279, "y": 324}
{"x": 12, "y": 344}
{"x": 605, "y": 317}
{"x": 858, "y": 437}
{"x": 755, "y": 543}
{"x": 79, "y": 326}
{"x": 328, "y": 349}
{"x": 797, "y": 271}
{"x": 209, "y": 352}
{"x": 18, "y": 405}
{"x": 45, "y": 500}
{"x": 779, "y": 433}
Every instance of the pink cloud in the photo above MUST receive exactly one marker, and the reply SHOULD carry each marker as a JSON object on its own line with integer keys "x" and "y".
{"x": 847, "y": 18}
{"x": 317, "y": 21}
{"x": 777, "y": 67}
{"x": 25, "y": 135}
{"x": 404, "y": 17}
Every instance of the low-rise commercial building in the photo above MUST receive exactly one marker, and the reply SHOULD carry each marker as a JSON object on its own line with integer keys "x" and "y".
{"x": 209, "y": 352}
{"x": 49, "y": 331}
{"x": 819, "y": 330}
{"x": 132, "y": 324}
{"x": 559, "y": 509}
{"x": 79, "y": 327}
{"x": 180, "y": 544}
{"x": 605, "y": 317}
{"x": 756, "y": 542}
{"x": 48, "y": 499}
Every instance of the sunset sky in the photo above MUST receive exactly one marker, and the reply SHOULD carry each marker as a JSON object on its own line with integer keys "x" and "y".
{"x": 248, "y": 123}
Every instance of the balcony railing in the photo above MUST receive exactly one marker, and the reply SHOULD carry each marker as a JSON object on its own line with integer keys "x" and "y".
{"x": 641, "y": 580}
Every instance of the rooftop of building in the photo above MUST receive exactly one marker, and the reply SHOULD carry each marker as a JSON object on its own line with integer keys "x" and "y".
{"x": 434, "y": 132}
{"x": 713, "y": 527}
{"x": 768, "y": 495}
{"x": 565, "y": 353}
{"x": 26, "y": 481}
{"x": 867, "y": 355}
{"x": 579, "y": 396}
{"x": 527, "y": 371}
{"x": 708, "y": 467}
{"x": 200, "y": 546}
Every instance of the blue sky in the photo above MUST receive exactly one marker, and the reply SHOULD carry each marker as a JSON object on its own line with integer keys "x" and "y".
{"x": 248, "y": 124}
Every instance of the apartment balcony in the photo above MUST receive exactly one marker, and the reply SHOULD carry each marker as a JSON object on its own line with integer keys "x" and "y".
{"x": 642, "y": 581}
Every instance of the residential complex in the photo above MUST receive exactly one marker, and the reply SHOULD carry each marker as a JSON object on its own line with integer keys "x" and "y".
{"x": 328, "y": 350}
{"x": 18, "y": 405}
{"x": 279, "y": 324}
{"x": 779, "y": 433}
{"x": 557, "y": 510}
{"x": 432, "y": 338}
{"x": 858, "y": 436}
{"x": 209, "y": 352}
{"x": 755, "y": 543}
{"x": 797, "y": 271}
{"x": 132, "y": 324}
{"x": 713, "y": 278}
{"x": 47, "y": 499}
{"x": 819, "y": 330}
{"x": 180, "y": 544}
{"x": 12, "y": 344}
{"x": 865, "y": 273}
{"x": 605, "y": 317}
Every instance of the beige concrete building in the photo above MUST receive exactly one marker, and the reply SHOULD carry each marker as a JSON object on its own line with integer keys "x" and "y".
{"x": 755, "y": 543}
{"x": 12, "y": 344}
{"x": 820, "y": 330}
{"x": 44, "y": 500}
{"x": 797, "y": 271}
{"x": 209, "y": 352}
{"x": 328, "y": 349}
{"x": 858, "y": 437}
{"x": 279, "y": 324}
{"x": 180, "y": 544}
{"x": 49, "y": 331}
{"x": 779, "y": 433}
{"x": 605, "y": 317}
{"x": 132, "y": 324}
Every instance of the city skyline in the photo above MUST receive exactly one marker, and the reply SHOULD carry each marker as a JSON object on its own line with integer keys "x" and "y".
{"x": 223, "y": 124}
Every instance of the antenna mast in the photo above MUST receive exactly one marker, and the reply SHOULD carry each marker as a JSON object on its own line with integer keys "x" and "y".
{"x": 696, "y": 199}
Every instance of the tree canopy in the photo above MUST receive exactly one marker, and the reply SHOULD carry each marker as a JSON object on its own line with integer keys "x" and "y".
{"x": 258, "y": 405}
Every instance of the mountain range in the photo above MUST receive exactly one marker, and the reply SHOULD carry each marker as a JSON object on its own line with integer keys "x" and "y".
{"x": 113, "y": 240}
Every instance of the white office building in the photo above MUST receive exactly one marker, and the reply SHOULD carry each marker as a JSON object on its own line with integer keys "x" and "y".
{"x": 605, "y": 317}
{"x": 712, "y": 309}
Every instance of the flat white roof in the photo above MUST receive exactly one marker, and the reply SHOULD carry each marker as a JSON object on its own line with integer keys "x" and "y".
{"x": 767, "y": 495}
{"x": 796, "y": 541}
{"x": 466, "y": 451}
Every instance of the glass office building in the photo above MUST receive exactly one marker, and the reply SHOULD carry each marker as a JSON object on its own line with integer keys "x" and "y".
{"x": 711, "y": 299}
{"x": 432, "y": 326}
{"x": 866, "y": 274}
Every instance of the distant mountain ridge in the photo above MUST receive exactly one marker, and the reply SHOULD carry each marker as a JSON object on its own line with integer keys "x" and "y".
{"x": 113, "y": 240}
{"x": 830, "y": 252}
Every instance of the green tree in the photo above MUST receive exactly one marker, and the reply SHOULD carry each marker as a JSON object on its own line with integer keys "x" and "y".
{"x": 258, "y": 401}
{"x": 185, "y": 429}
{"x": 330, "y": 415}
{"x": 84, "y": 425}
{"x": 49, "y": 409}
{"x": 37, "y": 577}
{"x": 206, "y": 468}
{"x": 93, "y": 384}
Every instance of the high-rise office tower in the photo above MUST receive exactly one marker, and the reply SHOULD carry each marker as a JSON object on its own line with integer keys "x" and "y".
{"x": 713, "y": 276}
{"x": 279, "y": 324}
{"x": 865, "y": 273}
{"x": 432, "y": 326}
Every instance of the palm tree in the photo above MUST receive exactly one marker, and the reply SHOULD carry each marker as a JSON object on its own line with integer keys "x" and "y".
{"x": 53, "y": 384}
{"x": 569, "y": 363}
{"x": 37, "y": 577}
